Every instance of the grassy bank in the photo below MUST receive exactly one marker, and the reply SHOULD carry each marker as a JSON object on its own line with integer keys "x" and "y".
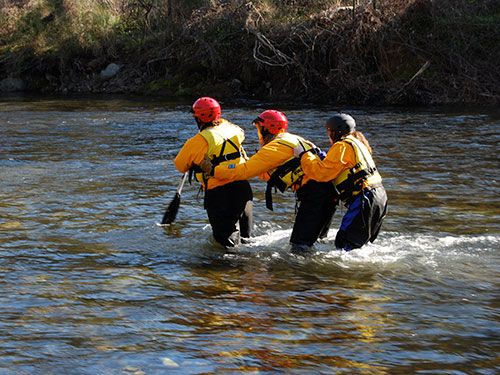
{"x": 359, "y": 52}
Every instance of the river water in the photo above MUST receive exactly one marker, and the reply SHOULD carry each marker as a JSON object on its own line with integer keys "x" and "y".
{"x": 91, "y": 284}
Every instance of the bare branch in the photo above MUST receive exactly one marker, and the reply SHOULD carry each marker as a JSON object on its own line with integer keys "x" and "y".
{"x": 277, "y": 58}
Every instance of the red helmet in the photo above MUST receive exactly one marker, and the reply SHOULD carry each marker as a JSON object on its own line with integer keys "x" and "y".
{"x": 206, "y": 109}
{"x": 274, "y": 121}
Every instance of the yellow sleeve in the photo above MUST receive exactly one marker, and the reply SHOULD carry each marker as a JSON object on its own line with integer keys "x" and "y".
{"x": 340, "y": 157}
{"x": 268, "y": 157}
{"x": 191, "y": 153}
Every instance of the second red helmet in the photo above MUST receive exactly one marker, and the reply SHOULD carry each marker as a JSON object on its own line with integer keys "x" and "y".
{"x": 274, "y": 121}
{"x": 206, "y": 109}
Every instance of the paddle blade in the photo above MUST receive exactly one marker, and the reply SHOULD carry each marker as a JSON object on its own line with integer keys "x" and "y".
{"x": 171, "y": 212}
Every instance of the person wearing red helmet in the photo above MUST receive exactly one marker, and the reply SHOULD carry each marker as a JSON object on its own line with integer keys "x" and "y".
{"x": 228, "y": 203}
{"x": 350, "y": 165}
{"x": 276, "y": 163}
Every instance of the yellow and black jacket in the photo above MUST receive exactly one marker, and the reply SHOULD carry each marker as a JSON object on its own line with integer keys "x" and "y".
{"x": 348, "y": 163}
{"x": 274, "y": 162}
{"x": 222, "y": 143}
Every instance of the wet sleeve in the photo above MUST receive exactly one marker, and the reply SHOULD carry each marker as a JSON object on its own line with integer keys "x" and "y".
{"x": 191, "y": 153}
{"x": 268, "y": 157}
{"x": 339, "y": 157}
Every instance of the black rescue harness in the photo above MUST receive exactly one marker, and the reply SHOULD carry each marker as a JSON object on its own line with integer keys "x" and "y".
{"x": 276, "y": 181}
{"x": 216, "y": 160}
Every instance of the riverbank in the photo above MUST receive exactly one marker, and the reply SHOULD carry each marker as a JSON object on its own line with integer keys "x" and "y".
{"x": 376, "y": 53}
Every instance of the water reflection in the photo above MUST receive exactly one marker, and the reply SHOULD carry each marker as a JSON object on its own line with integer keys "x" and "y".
{"x": 91, "y": 284}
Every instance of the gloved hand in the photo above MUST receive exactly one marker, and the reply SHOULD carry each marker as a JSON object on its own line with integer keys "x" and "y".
{"x": 321, "y": 154}
{"x": 297, "y": 151}
{"x": 206, "y": 165}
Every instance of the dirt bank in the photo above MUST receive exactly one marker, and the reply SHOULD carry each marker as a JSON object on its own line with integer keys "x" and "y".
{"x": 409, "y": 52}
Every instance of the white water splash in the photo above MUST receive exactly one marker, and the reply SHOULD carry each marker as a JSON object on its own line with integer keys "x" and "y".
{"x": 390, "y": 250}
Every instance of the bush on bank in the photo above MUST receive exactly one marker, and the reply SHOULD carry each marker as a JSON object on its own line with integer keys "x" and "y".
{"x": 381, "y": 52}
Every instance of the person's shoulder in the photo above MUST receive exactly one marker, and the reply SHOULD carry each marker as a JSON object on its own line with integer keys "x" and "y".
{"x": 341, "y": 144}
{"x": 289, "y": 136}
{"x": 196, "y": 139}
{"x": 289, "y": 139}
{"x": 222, "y": 121}
{"x": 225, "y": 122}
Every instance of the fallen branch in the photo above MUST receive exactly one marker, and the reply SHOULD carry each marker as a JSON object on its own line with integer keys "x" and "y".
{"x": 278, "y": 58}
{"x": 420, "y": 71}
{"x": 415, "y": 76}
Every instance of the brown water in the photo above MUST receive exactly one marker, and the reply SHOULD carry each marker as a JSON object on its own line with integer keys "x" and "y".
{"x": 90, "y": 284}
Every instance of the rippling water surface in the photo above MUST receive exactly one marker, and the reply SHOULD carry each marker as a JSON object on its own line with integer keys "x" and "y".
{"x": 90, "y": 284}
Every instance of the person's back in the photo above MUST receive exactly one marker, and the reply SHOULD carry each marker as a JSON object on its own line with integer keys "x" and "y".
{"x": 221, "y": 141}
{"x": 228, "y": 203}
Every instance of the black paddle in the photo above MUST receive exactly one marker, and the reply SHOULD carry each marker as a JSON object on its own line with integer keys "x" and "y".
{"x": 173, "y": 207}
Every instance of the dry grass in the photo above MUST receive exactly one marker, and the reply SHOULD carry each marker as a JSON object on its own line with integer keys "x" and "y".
{"x": 377, "y": 52}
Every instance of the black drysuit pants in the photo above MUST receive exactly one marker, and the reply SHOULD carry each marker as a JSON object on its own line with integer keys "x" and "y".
{"x": 317, "y": 204}
{"x": 230, "y": 212}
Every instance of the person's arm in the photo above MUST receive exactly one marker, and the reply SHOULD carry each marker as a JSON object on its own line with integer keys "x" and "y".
{"x": 268, "y": 157}
{"x": 191, "y": 153}
{"x": 340, "y": 157}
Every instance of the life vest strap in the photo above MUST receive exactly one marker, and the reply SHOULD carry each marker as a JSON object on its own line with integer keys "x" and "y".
{"x": 354, "y": 182}
{"x": 276, "y": 181}
{"x": 276, "y": 178}
{"x": 219, "y": 159}
{"x": 195, "y": 168}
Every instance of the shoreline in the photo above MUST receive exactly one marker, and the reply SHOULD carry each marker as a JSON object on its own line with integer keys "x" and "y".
{"x": 410, "y": 53}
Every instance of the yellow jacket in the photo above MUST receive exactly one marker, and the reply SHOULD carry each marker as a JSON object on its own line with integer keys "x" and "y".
{"x": 209, "y": 141}
{"x": 262, "y": 164}
{"x": 338, "y": 163}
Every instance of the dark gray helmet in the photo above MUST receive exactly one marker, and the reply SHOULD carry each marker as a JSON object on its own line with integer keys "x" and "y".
{"x": 341, "y": 124}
